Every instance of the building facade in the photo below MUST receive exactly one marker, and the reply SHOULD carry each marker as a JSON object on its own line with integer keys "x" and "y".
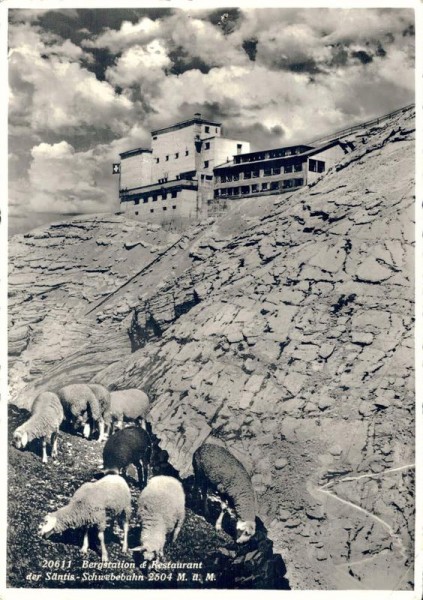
{"x": 173, "y": 181}
{"x": 191, "y": 167}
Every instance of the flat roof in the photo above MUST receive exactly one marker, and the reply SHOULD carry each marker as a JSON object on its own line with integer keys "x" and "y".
{"x": 182, "y": 124}
{"x": 134, "y": 152}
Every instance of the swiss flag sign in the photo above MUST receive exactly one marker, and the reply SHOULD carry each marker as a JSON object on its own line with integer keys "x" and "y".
{"x": 116, "y": 168}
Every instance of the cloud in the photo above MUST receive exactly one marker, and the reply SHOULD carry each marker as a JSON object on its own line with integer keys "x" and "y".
{"x": 129, "y": 34}
{"x": 66, "y": 181}
{"x": 50, "y": 90}
{"x": 140, "y": 65}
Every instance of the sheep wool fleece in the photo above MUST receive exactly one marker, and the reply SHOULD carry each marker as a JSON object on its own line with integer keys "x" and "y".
{"x": 46, "y": 417}
{"x": 90, "y": 502}
{"x": 224, "y": 472}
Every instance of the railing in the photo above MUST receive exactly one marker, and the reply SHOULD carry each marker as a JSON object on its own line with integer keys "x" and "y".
{"x": 347, "y": 131}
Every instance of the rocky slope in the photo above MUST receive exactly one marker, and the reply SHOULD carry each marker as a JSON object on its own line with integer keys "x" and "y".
{"x": 284, "y": 328}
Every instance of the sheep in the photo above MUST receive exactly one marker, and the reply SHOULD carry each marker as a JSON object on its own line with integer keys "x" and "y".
{"x": 87, "y": 508}
{"x": 128, "y": 446}
{"x": 161, "y": 510}
{"x": 81, "y": 407}
{"x": 215, "y": 466}
{"x": 46, "y": 418}
{"x": 128, "y": 405}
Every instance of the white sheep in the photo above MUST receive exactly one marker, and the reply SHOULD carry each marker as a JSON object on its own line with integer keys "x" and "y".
{"x": 87, "y": 508}
{"x": 82, "y": 408}
{"x": 44, "y": 422}
{"x": 161, "y": 510}
{"x": 128, "y": 405}
{"x": 103, "y": 396}
{"x": 215, "y": 467}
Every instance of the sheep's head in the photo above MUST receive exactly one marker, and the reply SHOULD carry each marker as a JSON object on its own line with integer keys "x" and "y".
{"x": 47, "y": 527}
{"x": 20, "y": 438}
{"x": 81, "y": 422}
{"x": 245, "y": 531}
{"x": 149, "y": 555}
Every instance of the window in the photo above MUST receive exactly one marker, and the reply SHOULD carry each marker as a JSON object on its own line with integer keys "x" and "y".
{"x": 298, "y": 167}
{"x": 228, "y": 177}
{"x": 157, "y": 160}
{"x": 236, "y": 177}
{"x": 137, "y": 201}
{"x": 167, "y": 156}
{"x": 247, "y": 175}
{"x": 267, "y": 172}
{"x": 154, "y": 198}
{"x": 236, "y": 191}
{"x": 164, "y": 207}
{"x": 288, "y": 183}
{"x": 289, "y": 168}
{"x": 209, "y": 177}
{"x": 256, "y": 173}
{"x": 145, "y": 200}
{"x": 276, "y": 171}
{"x": 136, "y": 212}
{"x": 239, "y": 147}
{"x": 207, "y": 146}
{"x": 164, "y": 195}
{"x": 217, "y": 130}
{"x": 245, "y": 189}
{"x": 186, "y": 152}
{"x": 173, "y": 206}
{"x": 206, "y": 164}
{"x": 274, "y": 185}
{"x": 155, "y": 137}
{"x": 207, "y": 129}
{"x": 174, "y": 193}
{"x": 254, "y": 187}
{"x": 264, "y": 186}
{"x": 151, "y": 210}
{"x": 176, "y": 154}
{"x": 298, "y": 182}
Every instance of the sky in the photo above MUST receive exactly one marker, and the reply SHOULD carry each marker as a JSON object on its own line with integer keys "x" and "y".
{"x": 87, "y": 84}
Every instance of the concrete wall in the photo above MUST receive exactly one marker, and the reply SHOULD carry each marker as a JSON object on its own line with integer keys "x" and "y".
{"x": 136, "y": 170}
{"x": 182, "y": 209}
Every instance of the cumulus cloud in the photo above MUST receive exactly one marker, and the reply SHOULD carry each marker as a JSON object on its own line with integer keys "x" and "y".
{"x": 50, "y": 90}
{"x": 66, "y": 181}
{"x": 140, "y": 65}
{"x": 129, "y": 34}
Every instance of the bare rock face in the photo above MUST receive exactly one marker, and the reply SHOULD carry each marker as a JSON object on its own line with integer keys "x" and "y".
{"x": 288, "y": 337}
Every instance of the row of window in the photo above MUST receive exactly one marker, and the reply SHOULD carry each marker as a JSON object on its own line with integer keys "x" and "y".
{"x": 317, "y": 166}
{"x": 168, "y": 156}
{"x": 155, "y": 197}
{"x": 270, "y": 154}
{"x": 297, "y": 168}
{"x": 152, "y": 209}
{"x": 255, "y": 188}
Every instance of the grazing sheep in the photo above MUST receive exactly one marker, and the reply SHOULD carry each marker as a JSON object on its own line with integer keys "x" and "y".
{"x": 125, "y": 447}
{"x": 44, "y": 422}
{"x": 216, "y": 467}
{"x": 103, "y": 396}
{"x": 82, "y": 408}
{"x": 128, "y": 405}
{"x": 87, "y": 508}
{"x": 161, "y": 510}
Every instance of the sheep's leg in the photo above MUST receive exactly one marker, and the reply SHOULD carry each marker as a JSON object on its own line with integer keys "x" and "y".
{"x": 44, "y": 442}
{"x": 125, "y": 534}
{"x": 84, "y": 548}
{"x": 176, "y": 530}
{"x": 54, "y": 439}
{"x": 142, "y": 474}
{"x": 220, "y": 519}
{"x": 101, "y": 430}
{"x": 104, "y": 555}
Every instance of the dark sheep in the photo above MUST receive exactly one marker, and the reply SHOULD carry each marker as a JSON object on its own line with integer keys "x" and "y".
{"x": 215, "y": 467}
{"x": 125, "y": 447}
